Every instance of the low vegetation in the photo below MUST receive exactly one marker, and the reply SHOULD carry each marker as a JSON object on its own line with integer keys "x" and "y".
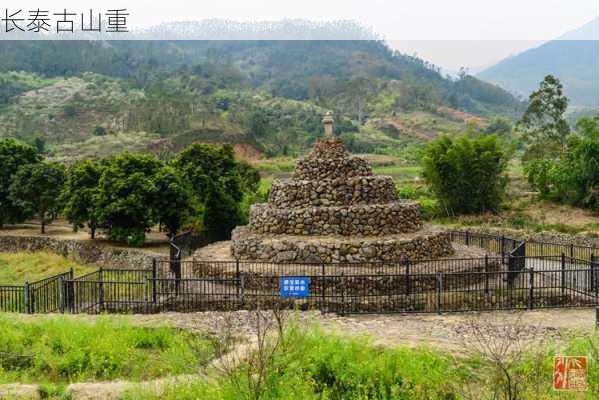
{"x": 467, "y": 174}
{"x": 17, "y": 268}
{"x": 309, "y": 364}
{"x": 61, "y": 350}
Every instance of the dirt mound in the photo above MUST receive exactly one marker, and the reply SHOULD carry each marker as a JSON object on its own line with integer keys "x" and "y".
{"x": 246, "y": 152}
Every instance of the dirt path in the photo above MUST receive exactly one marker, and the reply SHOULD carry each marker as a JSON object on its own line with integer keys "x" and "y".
{"x": 441, "y": 331}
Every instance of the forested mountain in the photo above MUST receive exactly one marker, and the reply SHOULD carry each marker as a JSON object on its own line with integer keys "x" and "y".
{"x": 573, "y": 58}
{"x": 268, "y": 94}
{"x": 574, "y": 62}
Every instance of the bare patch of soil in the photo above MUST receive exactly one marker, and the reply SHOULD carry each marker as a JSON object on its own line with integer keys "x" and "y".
{"x": 551, "y": 213}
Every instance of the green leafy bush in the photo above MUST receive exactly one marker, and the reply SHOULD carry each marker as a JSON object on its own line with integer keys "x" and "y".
{"x": 466, "y": 174}
{"x": 573, "y": 178}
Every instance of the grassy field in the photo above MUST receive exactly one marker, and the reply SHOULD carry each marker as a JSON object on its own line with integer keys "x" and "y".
{"x": 310, "y": 364}
{"x": 59, "y": 350}
{"x": 17, "y": 268}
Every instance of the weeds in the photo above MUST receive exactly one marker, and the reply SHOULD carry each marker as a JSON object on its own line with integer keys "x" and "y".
{"x": 58, "y": 350}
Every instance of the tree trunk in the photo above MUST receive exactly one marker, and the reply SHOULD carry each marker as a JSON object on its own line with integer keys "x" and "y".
{"x": 43, "y": 225}
{"x": 93, "y": 232}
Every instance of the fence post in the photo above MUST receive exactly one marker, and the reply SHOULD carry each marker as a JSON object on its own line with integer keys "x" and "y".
{"x": 342, "y": 293}
{"x": 531, "y": 282}
{"x": 439, "y": 291}
{"x": 61, "y": 296}
{"x": 242, "y": 290}
{"x": 502, "y": 249}
{"x": 486, "y": 274}
{"x": 154, "y": 282}
{"x": 593, "y": 273}
{"x": 27, "y": 298}
{"x": 323, "y": 288}
{"x": 407, "y": 277}
{"x": 101, "y": 291}
{"x": 563, "y": 277}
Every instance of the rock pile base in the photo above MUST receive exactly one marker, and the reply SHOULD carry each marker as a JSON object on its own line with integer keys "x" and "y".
{"x": 426, "y": 243}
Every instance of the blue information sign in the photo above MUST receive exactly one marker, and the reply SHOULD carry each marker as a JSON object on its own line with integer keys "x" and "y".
{"x": 294, "y": 286}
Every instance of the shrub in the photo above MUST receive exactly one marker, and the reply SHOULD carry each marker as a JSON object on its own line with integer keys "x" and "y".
{"x": 466, "y": 173}
{"x": 574, "y": 177}
{"x": 539, "y": 177}
{"x": 99, "y": 131}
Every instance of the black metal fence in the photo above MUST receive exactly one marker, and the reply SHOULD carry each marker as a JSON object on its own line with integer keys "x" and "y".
{"x": 43, "y": 296}
{"x": 515, "y": 275}
{"x": 503, "y": 245}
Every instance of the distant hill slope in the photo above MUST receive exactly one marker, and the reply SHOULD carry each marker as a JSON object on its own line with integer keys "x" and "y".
{"x": 269, "y": 94}
{"x": 572, "y": 58}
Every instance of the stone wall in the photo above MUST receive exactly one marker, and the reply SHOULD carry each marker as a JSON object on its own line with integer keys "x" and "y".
{"x": 362, "y": 220}
{"x": 331, "y": 168}
{"x": 331, "y": 147}
{"x": 336, "y": 192}
{"x": 82, "y": 251}
{"x": 424, "y": 245}
{"x": 581, "y": 239}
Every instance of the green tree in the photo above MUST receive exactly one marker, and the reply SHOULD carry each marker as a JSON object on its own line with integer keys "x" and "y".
{"x": 499, "y": 126}
{"x": 80, "y": 194}
{"x": 543, "y": 122}
{"x": 221, "y": 213}
{"x": 574, "y": 177}
{"x": 12, "y": 155}
{"x": 202, "y": 164}
{"x": 466, "y": 174}
{"x": 99, "y": 131}
{"x": 257, "y": 123}
{"x": 174, "y": 202}
{"x": 127, "y": 192}
{"x": 36, "y": 188}
{"x": 250, "y": 177}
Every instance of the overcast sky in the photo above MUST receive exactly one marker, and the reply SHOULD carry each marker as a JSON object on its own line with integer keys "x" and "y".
{"x": 480, "y": 31}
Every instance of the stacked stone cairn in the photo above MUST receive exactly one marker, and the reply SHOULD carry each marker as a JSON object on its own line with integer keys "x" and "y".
{"x": 334, "y": 209}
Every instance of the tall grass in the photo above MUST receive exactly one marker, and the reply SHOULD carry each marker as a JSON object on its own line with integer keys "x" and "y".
{"x": 314, "y": 365}
{"x": 17, "y": 268}
{"x": 59, "y": 349}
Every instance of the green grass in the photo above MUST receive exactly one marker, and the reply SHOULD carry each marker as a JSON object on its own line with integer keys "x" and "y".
{"x": 17, "y": 268}
{"x": 62, "y": 350}
{"x": 276, "y": 165}
{"x": 399, "y": 173}
{"x": 314, "y": 365}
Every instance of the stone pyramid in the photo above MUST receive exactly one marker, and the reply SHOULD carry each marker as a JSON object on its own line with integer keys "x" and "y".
{"x": 334, "y": 209}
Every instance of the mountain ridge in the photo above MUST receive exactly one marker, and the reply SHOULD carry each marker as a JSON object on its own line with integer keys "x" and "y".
{"x": 573, "y": 58}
